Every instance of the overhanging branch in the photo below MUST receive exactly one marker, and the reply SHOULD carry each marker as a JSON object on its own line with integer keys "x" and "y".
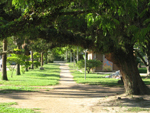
{"x": 141, "y": 58}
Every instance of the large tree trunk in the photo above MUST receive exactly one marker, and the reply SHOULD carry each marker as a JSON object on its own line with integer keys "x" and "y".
{"x": 132, "y": 81}
{"x": 127, "y": 65}
{"x": 4, "y": 59}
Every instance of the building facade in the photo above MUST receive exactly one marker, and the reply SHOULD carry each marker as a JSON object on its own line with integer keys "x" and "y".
{"x": 106, "y": 65}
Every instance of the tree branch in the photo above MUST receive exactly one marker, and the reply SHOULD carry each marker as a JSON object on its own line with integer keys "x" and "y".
{"x": 66, "y": 38}
{"x": 141, "y": 58}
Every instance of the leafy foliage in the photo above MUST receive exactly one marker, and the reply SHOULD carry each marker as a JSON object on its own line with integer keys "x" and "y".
{"x": 102, "y": 26}
{"x": 36, "y": 55}
{"x": 18, "y": 58}
{"x": 36, "y": 63}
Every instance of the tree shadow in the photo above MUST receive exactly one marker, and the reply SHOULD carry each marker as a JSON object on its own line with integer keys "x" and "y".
{"x": 45, "y": 75}
{"x": 127, "y": 102}
{"x": 15, "y": 93}
{"x": 4, "y": 91}
{"x": 83, "y": 91}
{"x": 48, "y": 75}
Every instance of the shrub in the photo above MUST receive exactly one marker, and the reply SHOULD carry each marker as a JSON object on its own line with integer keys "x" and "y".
{"x": 89, "y": 64}
{"x": 27, "y": 64}
{"x": 107, "y": 68}
{"x": 36, "y": 63}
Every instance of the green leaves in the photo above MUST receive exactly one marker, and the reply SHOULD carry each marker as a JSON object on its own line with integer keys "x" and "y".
{"x": 116, "y": 21}
{"x": 147, "y": 21}
{"x": 17, "y": 57}
{"x": 90, "y": 19}
{"x": 143, "y": 12}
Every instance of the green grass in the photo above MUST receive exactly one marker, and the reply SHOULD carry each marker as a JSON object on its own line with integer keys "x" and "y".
{"x": 25, "y": 82}
{"x": 137, "y": 109}
{"x": 97, "y": 79}
{"x": 5, "y": 108}
{"x": 146, "y": 81}
{"x": 93, "y": 78}
{"x": 142, "y": 70}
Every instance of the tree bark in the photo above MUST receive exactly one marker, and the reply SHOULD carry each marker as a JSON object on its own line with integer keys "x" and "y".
{"x": 132, "y": 81}
{"x": 18, "y": 65}
{"x": 41, "y": 59}
{"x": 70, "y": 56}
{"x": 41, "y": 68}
{"x": 148, "y": 62}
{"x": 148, "y": 70}
{"x": 32, "y": 65}
{"x": 148, "y": 65}
{"x": 26, "y": 67}
{"x": 46, "y": 57}
{"x": 4, "y": 59}
{"x": 18, "y": 69}
{"x": 148, "y": 56}
{"x": 127, "y": 65}
{"x": 77, "y": 54}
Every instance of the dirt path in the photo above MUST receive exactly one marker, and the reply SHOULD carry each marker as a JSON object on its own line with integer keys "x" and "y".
{"x": 67, "y": 97}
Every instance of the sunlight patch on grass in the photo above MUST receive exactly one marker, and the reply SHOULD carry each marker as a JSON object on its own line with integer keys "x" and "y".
{"x": 35, "y": 77}
{"x": 93, "y": 78}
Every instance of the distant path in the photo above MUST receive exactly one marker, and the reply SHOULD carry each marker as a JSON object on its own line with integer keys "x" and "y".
{"x": 67, "y": 97}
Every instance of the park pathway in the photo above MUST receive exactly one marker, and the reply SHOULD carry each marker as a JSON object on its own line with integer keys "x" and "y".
{"x": 67, "y": 97}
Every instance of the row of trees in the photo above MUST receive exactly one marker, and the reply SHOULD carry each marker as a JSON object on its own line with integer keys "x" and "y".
{"x": 109, "y": 27}
{"x": 21, "y": 53}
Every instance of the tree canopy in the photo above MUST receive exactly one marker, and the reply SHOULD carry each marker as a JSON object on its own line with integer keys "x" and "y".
{"x": 110, "y": 27}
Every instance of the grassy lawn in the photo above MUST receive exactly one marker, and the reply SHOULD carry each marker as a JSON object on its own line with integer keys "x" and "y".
{"x": 5, "y": 108}
{"x": 97, "y": 79}
{"x": 25, "y": 82}
{"x": 92, "y": 78}
{"x": 137, "y": 109}
{"x": 142, "y": 70}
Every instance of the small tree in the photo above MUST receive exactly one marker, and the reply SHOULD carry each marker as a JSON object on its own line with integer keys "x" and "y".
{"x": 36, "y": 57}
{"x": 19, "y": 58}
{"x": 89, "y": 64}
